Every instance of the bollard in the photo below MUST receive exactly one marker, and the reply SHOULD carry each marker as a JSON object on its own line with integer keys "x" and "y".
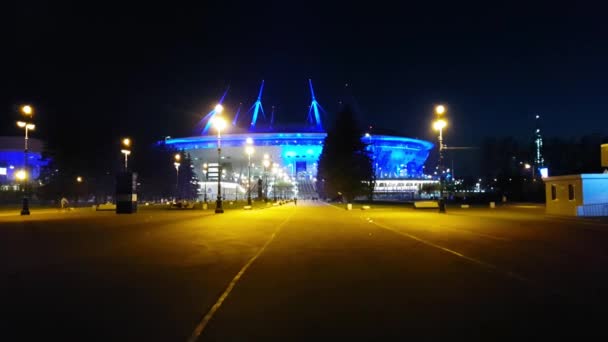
{"x": 204, "y": 205}
{"x": 492, "y": 205}
{"x": 349, "y": 206}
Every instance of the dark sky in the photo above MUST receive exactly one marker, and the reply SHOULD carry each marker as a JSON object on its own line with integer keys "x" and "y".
{"x": 98, "y": 71}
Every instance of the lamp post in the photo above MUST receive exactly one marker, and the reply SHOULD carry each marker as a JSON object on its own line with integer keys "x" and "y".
{"x": 26, "y": 111}
{"x": 266, "y": 163}
{"x": 439, "y": 124}
{"x": 206, "y": 173}
{"x": 219, "y": 124}
{"x": 126, "y": 150}
{"x": 249, "y": 150}
{"x": 177, "y": 163}
{"x": 275, "y": 171}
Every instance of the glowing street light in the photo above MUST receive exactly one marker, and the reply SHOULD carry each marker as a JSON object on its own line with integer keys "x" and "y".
{"x": 219, "y": 123}
{"x": 21, "y": 175}
{"x": 79, "y": 179}
{"x": 126, "y": 150}
{"x": 249, "y": 150}
{"x": 177, "y": 157}
{"x": 439, "y": 124}
{"x": 26, "y": 111}
{"x": 440, "y": 109}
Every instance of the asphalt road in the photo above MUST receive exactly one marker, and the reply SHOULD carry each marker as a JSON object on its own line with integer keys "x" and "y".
{"x": 309, "y": 272}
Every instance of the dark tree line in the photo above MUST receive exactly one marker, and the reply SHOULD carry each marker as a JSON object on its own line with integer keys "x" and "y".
{"x": 157, "y": 178}
{"x": 504, "y": 159}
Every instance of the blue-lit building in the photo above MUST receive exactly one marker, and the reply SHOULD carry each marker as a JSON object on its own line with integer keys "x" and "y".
{"x": 295, "y": 149}
{"x": 394, "y": 156}
{"x": 12, "y": 159}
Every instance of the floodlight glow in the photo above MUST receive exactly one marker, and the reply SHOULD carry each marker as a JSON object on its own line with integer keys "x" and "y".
{"x": 249, "y": 141}
{"x": 79, "y": 179}
{"x": 440, "y": 109}
{"x": 21, "y": 175}
{"x": 126, "y": 142}
{"x": 219, "y": 123}
{"x": 439, "y": 124}
{"x": 219, "y": 108}
{"x": 27, "y": 110}
{"x": 21, "y": 124}
{"x": 177, "y": 157}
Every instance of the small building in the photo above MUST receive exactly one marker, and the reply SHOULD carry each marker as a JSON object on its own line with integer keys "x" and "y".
{"x": 577, "y": 195}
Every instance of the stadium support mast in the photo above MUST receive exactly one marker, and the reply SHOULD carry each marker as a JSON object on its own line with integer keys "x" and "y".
{"x": 315, "y": 108}
{"x": 272, "y": 118}
{"x": 236, "y": 116}
{"x": 257, "y": 107}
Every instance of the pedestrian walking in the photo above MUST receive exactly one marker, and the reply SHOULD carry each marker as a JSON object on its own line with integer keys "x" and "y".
{"x": 64, "y": 203}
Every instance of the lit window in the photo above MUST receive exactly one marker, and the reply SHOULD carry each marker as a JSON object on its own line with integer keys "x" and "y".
{"x": 570, "y": 192}
{"x": 553, "y": 192}
{"x": 3, "y": 171}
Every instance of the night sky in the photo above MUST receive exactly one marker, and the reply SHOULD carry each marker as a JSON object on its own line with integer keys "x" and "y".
{"x": 97, "y": 72}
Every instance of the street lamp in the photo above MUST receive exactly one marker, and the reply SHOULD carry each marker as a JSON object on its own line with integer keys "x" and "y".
{"x": 266, "y": 162}
{"x": 177, "y": 158}
{"x": 206, "y": 173}
{"x": 275, "y": 172}
{"x": 219, "y": 123}
{"x": 249, "y": 150}
{"x": 26, "y": 111}
{"x": 439, "y": 124}
{"x": 126, "y": 150}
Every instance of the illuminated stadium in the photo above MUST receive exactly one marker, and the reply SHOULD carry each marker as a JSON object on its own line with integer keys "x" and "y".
{"x": 295, "y": 151}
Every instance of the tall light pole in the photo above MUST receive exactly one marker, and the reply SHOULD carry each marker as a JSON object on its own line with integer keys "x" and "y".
{"x": 266, "y": 163}
{"x": 275, "y": 171}
{"x": 206, "y": 173}
{"x": 219, "y": 123}
{"x": 439, "y": 124}
{"x": 177, "y": 157}
{"x": 28, "y": 112}
{"x": 249, "y": 150}
{"x": 126, "y": 150}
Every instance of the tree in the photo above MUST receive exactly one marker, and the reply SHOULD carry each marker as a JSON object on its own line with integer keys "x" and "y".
{"x": 345, "y": 166}
{"x": 188, "y": 187}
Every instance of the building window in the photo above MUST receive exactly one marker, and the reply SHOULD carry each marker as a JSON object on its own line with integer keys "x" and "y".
{"x": 570, "y": 192}
{"x": 553, "y": 192}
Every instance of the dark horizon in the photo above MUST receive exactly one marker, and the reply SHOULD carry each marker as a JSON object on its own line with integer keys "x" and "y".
{"x": 95, "y": 74}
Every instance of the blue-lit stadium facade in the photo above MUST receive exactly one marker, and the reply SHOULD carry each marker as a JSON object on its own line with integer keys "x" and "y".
{"x": 394, "y": 156}
{"x": 295, "y": 150}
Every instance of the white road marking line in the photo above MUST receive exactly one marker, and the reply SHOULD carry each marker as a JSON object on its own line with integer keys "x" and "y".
{"x": 487, "y": 236}
{"x": 205, "y": 321}
{"x": 484, "y": 264}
